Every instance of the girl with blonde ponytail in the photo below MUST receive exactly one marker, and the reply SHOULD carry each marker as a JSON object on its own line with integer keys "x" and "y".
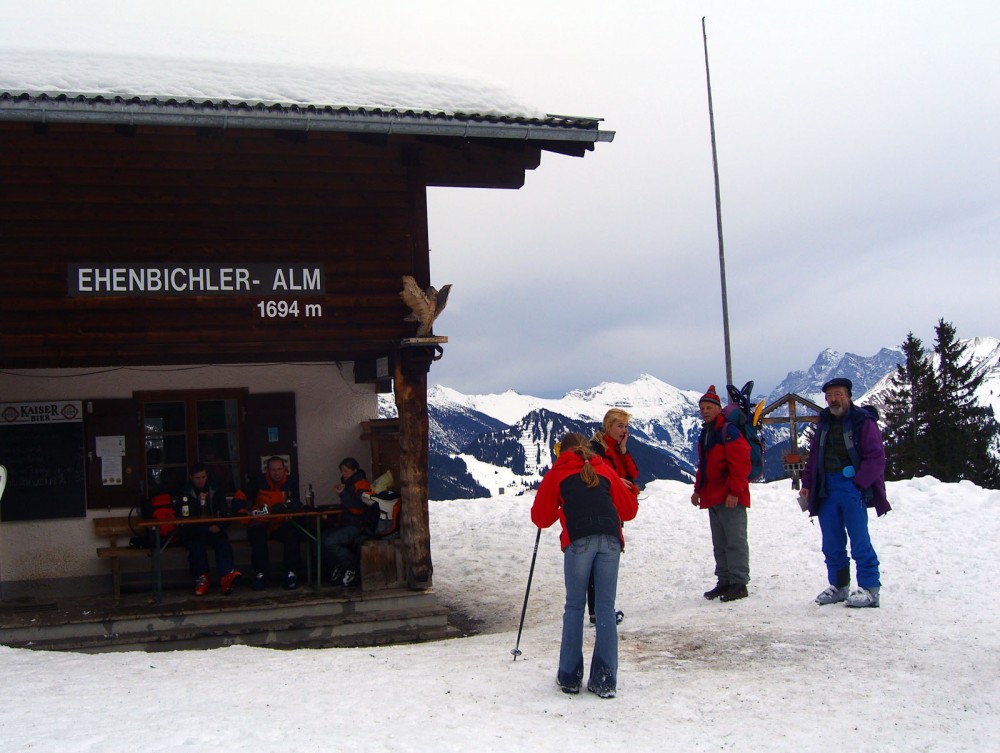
{"x": 590, "y": 501}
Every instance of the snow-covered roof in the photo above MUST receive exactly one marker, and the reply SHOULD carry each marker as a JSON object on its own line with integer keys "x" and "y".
{"x": 74, "y": 87}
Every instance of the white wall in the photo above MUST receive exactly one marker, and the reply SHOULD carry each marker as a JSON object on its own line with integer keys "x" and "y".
{"x": 329, "y": 407}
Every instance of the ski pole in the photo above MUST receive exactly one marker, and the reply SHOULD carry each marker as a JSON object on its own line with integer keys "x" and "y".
{"x": 517, "y": 651}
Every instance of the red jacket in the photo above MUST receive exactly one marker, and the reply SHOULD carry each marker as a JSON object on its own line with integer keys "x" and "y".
{"x": 623, "y": 464}
{"x": 726, "y": 468}
{"x": 550, "y": 506}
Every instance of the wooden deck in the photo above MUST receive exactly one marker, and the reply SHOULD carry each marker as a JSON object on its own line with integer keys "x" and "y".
{"x": 274, "y": 618}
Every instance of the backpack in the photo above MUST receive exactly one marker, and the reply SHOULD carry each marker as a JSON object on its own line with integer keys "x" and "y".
{"x": 161, "y": 507}
{"x": 158, "y": 507}
{"x": 381, "y": 518}
{"x": 739, "y": 414}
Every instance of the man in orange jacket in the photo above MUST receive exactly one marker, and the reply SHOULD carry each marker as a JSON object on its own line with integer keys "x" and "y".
{"x": 722, "y": 486}
{"x": 276, "y": 492}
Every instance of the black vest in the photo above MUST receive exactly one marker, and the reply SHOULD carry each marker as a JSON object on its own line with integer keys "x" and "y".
{"x": 589, "y": 512}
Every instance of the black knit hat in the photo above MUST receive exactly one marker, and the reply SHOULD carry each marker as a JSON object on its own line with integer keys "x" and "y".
{"x": 840, "y": 382}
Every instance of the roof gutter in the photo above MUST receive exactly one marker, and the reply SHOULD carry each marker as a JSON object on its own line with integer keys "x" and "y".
{"x": 49, "y": 110}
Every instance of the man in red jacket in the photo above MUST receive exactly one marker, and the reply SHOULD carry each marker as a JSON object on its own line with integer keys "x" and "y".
{"x": 722, "y": 486}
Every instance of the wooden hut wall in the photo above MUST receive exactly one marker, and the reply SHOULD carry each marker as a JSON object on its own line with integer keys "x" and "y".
{"x": 156, "y": 195}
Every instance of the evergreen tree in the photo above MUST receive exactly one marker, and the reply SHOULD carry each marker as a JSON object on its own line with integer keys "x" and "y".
{"x": 964, "y": 435}
{"x": 905, "y": 413}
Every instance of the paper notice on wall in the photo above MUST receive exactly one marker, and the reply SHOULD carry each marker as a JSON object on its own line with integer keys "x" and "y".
{"x": 111, "y": 471}
{"x": 109, "y": 447}
{"x": 111, "y": 451}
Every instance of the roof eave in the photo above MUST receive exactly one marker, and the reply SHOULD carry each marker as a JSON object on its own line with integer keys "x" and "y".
{"x": 280, "y": 117}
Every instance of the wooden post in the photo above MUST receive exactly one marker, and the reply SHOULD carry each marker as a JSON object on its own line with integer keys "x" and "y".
{"x": 410, "y": 391}
{"x": 793, "y": 429}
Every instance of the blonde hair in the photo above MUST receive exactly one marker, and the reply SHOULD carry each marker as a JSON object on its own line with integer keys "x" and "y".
{"x": 575, "y": 442}
{"x": 612, "y": 417}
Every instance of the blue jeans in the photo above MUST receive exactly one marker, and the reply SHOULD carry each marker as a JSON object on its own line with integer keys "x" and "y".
{"x": 597, "y": 554}
{"x": 198, "y": 539}
{"x": 842, "y": 513}
{"x": 341, "y": 546}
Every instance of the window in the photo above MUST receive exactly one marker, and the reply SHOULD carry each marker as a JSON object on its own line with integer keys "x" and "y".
{"x": 183, "y": 428}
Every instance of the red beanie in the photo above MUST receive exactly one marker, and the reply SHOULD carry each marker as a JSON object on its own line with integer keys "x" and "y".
{"x": 710, "y": 397}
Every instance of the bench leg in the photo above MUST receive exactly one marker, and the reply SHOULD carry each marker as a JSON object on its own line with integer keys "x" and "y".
{"x": 116, "y": 577}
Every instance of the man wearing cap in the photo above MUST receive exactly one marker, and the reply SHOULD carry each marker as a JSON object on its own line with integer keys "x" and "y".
{"x": 843, "y": 477}
{"x": 722, "y": 486}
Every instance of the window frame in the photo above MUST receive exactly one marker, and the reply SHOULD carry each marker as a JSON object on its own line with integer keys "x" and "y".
{"x": 190, "y": 399}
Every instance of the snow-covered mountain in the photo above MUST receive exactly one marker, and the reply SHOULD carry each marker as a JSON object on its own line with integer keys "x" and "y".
{"x": 864, "y": 371}
{"x": 510, "y": 456}
{"x": 500, "y": 444}
{"x": 985, "y": 354}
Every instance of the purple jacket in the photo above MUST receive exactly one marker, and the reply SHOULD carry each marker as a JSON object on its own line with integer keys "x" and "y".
{"x": 867, "y": 453}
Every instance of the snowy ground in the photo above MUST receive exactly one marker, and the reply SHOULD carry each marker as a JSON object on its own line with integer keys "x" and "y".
{"x": 773, "y": 672}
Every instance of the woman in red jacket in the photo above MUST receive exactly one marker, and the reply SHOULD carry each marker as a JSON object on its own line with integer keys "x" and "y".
{"x": 586, "y": 496}
{"x": 610, "y": 443}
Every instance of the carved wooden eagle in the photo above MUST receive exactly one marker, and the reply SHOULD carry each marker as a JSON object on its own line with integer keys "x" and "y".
{"x": 426, "y": 305}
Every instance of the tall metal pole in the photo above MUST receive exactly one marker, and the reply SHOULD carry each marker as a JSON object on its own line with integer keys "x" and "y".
{"x": 718, "y": 215}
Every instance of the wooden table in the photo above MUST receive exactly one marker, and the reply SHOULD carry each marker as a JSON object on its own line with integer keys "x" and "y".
{"x": 299, "y": 519}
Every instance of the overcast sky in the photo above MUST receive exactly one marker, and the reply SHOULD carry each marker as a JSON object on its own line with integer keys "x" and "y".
{"x": 859, "y": 157}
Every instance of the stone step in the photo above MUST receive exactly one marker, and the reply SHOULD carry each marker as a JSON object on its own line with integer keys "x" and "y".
{"x": 401, "y": 616}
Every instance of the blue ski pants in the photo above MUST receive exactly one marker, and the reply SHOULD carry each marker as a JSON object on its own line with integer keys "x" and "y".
{"x": 843, "y": 514}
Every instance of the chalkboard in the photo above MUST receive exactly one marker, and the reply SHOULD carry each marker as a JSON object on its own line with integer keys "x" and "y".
{"x": 45, "y": 471}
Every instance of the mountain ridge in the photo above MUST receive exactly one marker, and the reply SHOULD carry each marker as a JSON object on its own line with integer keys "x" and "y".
{"x": 488, "y": 445}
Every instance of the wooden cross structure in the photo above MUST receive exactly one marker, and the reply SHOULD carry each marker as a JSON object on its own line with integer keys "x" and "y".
{"x": 794, "y": 461}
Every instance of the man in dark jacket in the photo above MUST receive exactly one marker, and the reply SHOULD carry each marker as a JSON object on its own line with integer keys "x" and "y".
{"x": 845, "y": 475}
{"x": 205, "y": 501}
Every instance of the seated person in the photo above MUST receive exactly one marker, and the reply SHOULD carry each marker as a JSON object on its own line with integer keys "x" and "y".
{"x": 341, "y": 543}
{"x": 275, "y": 492}
{"x": 205, "y": 501}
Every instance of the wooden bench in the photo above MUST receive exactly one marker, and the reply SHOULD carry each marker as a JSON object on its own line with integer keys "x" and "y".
{"x": 382, "y": 563}
{"x": 114, "y": 529}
